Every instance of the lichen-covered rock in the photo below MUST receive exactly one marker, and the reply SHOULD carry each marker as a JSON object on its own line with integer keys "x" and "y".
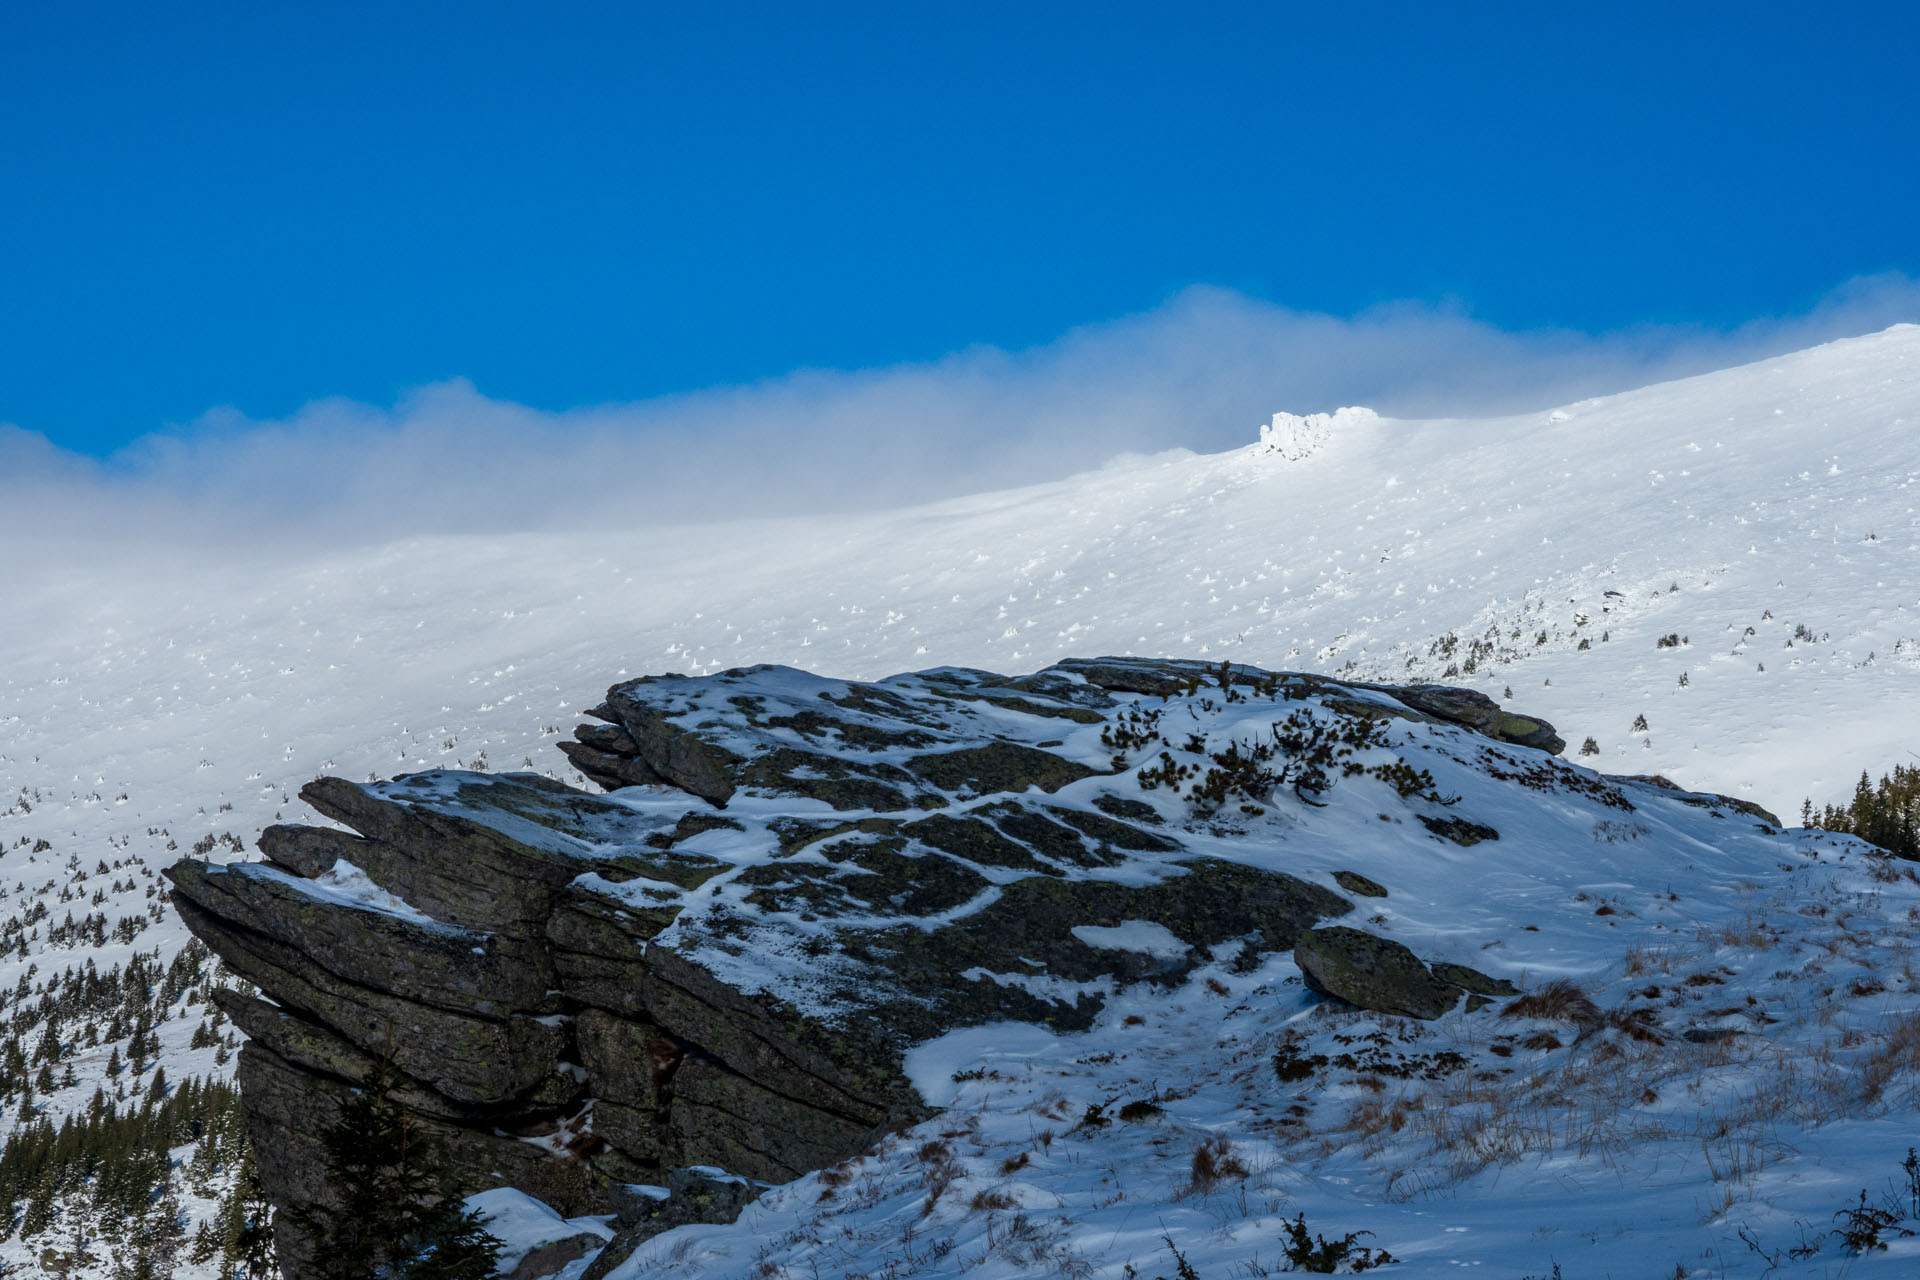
{"x": 316, "y": 1050}
{"x": 1372, "y": 972}
{"x": 1462, "y": 831}
{"x": 401, "y": 953}
{"x": 552, "y": 1257}
{"x": 1476, "y": 711}
{"x": 1469, "y": 979}
{"x": 288, "y": 1110}
{"x": 694, "y": 1195}
{"x": 1355, "y": 883}
{"x": 874, "y": 747}
{"x": 467, "y": 1058}
{"x": 1704, "y": 799}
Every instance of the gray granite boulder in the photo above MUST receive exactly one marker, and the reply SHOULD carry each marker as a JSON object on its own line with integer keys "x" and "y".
{"x": 791, "y": 882}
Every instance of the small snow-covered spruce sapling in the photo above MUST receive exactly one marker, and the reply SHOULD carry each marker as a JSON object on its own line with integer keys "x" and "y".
{"x": 1589, "y": 748}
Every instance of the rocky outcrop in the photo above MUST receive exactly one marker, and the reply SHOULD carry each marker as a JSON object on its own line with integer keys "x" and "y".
{"x": 1475, "y": 710}
{"x": 690, "y": 1196}
{"x": 1386, "y": 977}
{"x": 723, "y": 962}
{"x": 1704, "y": 799}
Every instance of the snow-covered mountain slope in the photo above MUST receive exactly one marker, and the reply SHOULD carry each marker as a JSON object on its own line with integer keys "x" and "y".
{"x": 1717, "y": 1047}
{"x": 155, "y": 697}
{"x": 1779, "y": 496}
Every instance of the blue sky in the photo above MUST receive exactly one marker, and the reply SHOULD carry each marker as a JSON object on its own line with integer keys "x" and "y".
{"x": 260, "y": 206}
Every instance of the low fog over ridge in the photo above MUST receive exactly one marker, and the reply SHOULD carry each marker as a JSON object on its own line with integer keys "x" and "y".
{"x": 1200, "y": 372}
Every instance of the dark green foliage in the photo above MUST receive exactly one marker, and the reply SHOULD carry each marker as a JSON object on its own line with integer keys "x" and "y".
{"x": 1317, "y": 1254}
{"x": 246, "y": 1226}
{"x": 105, "y": 1178}
{"x": 1886, "y": 813}
{"x": 1304, "y": 751}
{"x": 453, "y": 1244}
{"x": 393, "y": 1216}
{"x": 115, "y": 1160}
{"x": 1131, "y": 730}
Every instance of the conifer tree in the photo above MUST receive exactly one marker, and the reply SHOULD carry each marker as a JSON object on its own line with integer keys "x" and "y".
{"x": 204, "y": 1245}
{"x": 1886, "y": 814}
{"x": 395, "y": 1217}
{"x": 249, "y": 1226}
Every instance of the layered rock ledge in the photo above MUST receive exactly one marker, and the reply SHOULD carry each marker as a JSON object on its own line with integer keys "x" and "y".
{"x": 791, "y": 883}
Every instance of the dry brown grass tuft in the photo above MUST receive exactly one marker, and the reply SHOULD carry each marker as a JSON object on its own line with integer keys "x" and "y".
{"x": 1897, "y": 1054}
{"x": 1557, "y": 1001}
{"x": 1636, "y": 1024}
{"x": 1372, "y": 1116}
{"x": 1214, "y": 1162}
{"x": 941, "y": 1168}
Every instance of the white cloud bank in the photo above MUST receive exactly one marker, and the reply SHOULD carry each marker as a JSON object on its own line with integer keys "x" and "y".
{"x": 1201, "y": 372}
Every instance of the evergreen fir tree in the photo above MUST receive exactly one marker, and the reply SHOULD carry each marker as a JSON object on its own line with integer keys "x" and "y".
{"x": 204, "y": 1245}
{"x": 250, "y": 1224}
{"x": 453, "y": 1244}
{"x": 394, "y": 1217}
{"x": 39, "y": 1214}
{"x": 1886, "y": 814}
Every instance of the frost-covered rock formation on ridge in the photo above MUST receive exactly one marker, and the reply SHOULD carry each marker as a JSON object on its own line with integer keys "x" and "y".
{"x": 795, "y": 881}
{"x": 1298, "y": 436}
